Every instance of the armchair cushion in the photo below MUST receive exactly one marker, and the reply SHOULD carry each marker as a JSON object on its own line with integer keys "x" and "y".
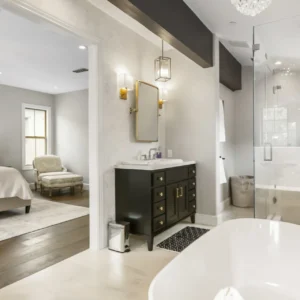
{"x": 48, "y": 163}
{"x": 40, "y": 176}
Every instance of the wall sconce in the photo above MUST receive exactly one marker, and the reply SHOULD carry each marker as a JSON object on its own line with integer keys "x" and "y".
{"x": 125, "y": 84}
{"x": 163, "y": 97}
{"x": 162, "y": 67}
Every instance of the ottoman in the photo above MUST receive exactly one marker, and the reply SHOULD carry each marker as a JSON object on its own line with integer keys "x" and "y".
{"x": 61, "y": 181}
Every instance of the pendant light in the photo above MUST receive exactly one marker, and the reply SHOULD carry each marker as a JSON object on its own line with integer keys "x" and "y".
{"x": 162, "y": 66}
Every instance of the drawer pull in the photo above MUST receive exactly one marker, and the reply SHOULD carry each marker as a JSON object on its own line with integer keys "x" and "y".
{"x": 161, "y": 178}
{"x": 194, "y": 195}
{"x": 161, "y": 194}
{"x": 181, "y": 194}
{"x": 161, "y": 222}
{"x": 194, "y": 183}
{"x": 194, "y": 206}
{"x": 194, "y": 171}
{"x": 161, "y": 208}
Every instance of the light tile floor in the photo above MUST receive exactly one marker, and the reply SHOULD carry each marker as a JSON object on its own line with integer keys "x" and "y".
{"x": 98, "y": 275}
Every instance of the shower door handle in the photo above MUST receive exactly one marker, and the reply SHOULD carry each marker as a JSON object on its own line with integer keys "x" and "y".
{"x": 268, "y": 152}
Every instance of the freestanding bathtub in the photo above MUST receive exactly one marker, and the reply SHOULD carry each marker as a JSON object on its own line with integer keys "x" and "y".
{"x": 246, "y": 258}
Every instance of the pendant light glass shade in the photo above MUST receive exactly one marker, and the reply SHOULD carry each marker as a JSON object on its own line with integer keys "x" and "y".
{"x": 162, "y": 67}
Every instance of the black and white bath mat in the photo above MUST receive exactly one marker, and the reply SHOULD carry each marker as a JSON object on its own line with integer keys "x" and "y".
{"x": 182, "y": 239}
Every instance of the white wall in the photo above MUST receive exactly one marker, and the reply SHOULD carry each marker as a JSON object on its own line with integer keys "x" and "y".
{"x": 191, "y": 124}
{"x": 11, "y": 100}
{"x": 228, "y": 148}
{"x": 71, "y": 131}
{"x": 244, "y": 124}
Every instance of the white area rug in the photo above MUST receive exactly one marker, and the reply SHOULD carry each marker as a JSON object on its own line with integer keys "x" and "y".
{"x": 43, "y": 214}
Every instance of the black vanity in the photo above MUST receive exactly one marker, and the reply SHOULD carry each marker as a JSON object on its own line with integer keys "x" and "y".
{"x": 154, "y": 200}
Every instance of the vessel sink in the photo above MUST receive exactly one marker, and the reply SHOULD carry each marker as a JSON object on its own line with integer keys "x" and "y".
{"x": 154, "y": 162}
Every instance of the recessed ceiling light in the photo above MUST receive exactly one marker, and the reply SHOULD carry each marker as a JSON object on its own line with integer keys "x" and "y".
{"x": 82, "y": 47}
{"x": 278, "y": 63}
{"x": 0, "y": 73}
{"x": 55, "y": 87}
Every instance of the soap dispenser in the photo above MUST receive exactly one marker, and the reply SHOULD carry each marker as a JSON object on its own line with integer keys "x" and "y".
{"x": 158, "y": 154}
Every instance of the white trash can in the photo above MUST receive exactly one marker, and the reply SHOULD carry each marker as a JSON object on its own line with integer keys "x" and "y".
{"x": 242, "y": 191}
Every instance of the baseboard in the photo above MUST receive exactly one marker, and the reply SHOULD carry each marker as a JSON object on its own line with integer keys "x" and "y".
{"x": 206, "y": 219}
{"x": 211, "y": 220}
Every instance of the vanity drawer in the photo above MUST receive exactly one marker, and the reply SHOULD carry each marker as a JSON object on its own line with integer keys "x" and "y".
{"x": 192, "y": 195}
{"x": 192, "y": 171}
{"x": 192, "y": 183}
{"x": 158, "y": 179}
{"x": 159, "y": 194}
{"x": 159, "y": 223}
{"x": 159, "y": 208}
{"x": 192, "y": 206}
{"x": 177, "y": 174}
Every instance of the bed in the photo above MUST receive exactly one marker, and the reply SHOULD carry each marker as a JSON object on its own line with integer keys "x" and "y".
{"x": 14, "y": 190}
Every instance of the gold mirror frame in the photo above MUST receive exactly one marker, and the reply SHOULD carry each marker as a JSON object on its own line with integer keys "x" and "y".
{"x": 136, "y": 109}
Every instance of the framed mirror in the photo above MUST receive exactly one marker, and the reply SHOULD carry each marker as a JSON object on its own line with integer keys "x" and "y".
{"x": 147, "y": 97}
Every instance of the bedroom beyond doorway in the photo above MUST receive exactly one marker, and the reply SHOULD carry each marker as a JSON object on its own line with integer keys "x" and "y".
{"x": 44, "y": 137}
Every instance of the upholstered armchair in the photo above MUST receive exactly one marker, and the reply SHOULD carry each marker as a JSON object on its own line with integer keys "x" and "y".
{"x": 47, "y": 165}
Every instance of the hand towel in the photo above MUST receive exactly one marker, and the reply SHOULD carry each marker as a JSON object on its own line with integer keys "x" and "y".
{"x": 222, "y": 134}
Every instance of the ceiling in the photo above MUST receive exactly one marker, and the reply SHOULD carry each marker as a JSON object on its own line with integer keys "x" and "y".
{"x": 217, "y": 15}
{"x": 39, "y": 56}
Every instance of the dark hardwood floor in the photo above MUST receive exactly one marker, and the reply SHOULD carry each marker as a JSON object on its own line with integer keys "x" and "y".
{"x": 32, "y": 252}
{"x": 79, "y": 199}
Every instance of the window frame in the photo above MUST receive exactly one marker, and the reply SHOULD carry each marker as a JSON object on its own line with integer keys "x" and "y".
{"x": 48, "y": 130}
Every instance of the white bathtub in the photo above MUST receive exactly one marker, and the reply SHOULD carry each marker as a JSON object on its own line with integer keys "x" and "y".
{"x": 259, "y": 259}
{"x": 287, "y": 202}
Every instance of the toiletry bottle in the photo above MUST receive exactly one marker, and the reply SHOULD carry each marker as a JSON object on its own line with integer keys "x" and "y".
{"x": 158, "y": 154}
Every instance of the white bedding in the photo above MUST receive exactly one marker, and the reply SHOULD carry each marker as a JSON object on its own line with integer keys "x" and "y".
{"x": 12, "y": 184}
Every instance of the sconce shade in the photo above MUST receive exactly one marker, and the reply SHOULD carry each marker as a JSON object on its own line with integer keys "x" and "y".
{"x": 125, "y": 83}
{"x": 162, "y": 68}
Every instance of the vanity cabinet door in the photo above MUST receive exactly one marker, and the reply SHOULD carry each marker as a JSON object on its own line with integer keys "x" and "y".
{"x": 183, "y": 199}
{"x": 171, "y": 203}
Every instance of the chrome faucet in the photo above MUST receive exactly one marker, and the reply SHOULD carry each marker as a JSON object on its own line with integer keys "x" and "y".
{"x": 154, "y": 155}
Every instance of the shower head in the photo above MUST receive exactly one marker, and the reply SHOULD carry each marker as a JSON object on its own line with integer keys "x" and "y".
{"x": 276, "y": 88}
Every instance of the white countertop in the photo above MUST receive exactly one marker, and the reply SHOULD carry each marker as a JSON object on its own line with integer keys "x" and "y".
{"x": 154, "y": 167}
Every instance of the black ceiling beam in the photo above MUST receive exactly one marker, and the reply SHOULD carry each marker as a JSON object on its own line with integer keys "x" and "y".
{"x": 230, "y": 70}
{"x": 175, "y": 23}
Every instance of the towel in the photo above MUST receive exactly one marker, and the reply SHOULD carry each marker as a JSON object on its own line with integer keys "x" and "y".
{"x": 222, "y": 134}
{"x": 222, "y": 172}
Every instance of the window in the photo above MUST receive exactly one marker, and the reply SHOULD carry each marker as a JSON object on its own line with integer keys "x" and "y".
{"x": 36, "y": 133}
{"x": 275, "y": 126}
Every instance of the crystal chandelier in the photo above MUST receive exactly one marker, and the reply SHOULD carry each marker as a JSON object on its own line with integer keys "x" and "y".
{"x": 251, "y": 7}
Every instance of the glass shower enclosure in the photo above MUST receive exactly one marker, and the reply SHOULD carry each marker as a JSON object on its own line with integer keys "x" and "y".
{"x": 277, "y": 120}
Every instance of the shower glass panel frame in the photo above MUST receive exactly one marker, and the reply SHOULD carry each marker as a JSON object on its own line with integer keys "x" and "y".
{"x": 276, "y": 119}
